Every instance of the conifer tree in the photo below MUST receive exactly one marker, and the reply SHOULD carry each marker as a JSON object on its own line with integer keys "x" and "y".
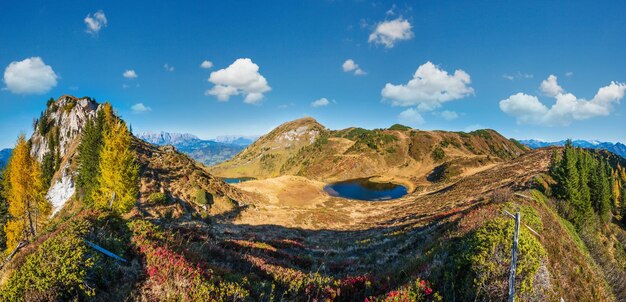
{"x": 27, "y": 206}
{"x": 117, "y": 182}
{"x": 89, "y": 158}
{"x": 583, "y": 163}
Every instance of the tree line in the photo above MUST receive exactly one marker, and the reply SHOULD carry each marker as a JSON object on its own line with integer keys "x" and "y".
{"x": 589, "y": 183}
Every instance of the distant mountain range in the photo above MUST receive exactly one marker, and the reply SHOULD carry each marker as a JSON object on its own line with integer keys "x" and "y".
{"x": 4, "y": 157}
{"x": 208, "y": 152}
{"x": 617, "y": 148}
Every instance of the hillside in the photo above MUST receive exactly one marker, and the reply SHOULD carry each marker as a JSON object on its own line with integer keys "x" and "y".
{"x": 306, "y": 148}
{"x": 616, "y": 148}
{"x": 208, "y": 152}
{"x": 285, "y": 239}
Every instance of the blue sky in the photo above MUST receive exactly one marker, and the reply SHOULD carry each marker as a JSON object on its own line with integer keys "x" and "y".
{"x": 296, "y": 51}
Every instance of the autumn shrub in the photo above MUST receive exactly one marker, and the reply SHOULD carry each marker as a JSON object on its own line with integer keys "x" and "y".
{"x": 416, "y": 291}
{"x": 170, "y": 276}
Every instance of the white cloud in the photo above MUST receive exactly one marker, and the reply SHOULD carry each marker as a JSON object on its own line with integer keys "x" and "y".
{"x": 389, "y": 32}
{"x": 320, "y": 103}
{"x": 206, "y": 64}
{"x": 429, "y": 88}
{"x": 96, "y": 22}
{"x": 349, "y": 66}
{"x": 242, "y": 77}
{"x": 527, "y": 109}
{"x": 130, "y": 74}
{"x": 569, "y": 73}
{"x": 168, "y": 67}
{"x": 140, "y": 108}
{"x": 518, "y": 76}
{"x": 449, "y": 115}
{"x": 29, "y": 76}
{"x": 550, "y": 87}
{"x": 411, "y": 117}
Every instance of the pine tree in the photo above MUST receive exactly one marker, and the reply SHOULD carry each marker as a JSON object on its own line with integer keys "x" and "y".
{"x": 569, "y": 188}
{"x": 583, "y": 165}
{"x": 27, "y": 206}
{"x": 118, "y": 177}
{"x": 89, "y": 158}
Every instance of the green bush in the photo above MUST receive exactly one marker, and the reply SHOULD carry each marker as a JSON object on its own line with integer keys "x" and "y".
{"x": 438, "y": 154}
{"x": 56, "y": 271}
{"x": 203, "y": 197}
{"x": 482, "y": 262}
{"x": 157, "y": 198}
{"x": 399, "y": 127}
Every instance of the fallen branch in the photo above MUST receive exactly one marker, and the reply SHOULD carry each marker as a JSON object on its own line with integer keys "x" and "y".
{"x": 20, "y": 245}
{"x": 104, "y": 251}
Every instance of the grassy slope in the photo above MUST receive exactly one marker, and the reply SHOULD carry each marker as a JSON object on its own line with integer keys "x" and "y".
{"x": 407, "y": 155}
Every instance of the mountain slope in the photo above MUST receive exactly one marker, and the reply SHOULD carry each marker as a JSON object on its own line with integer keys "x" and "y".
{"x": 306, "y": 148}
{"x": 617, "y": 148}
{"x": 4, "y": 157}
{"x": 285, "y": 237}
{"x": 208, "y": 152}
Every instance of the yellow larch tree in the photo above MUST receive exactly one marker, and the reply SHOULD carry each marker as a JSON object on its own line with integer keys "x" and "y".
{"x": 25, "y": 192}
{"x": 118, "y": 177}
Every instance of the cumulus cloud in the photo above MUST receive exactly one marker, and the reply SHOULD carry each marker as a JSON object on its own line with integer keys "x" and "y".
{"x": 411, "y": 117}
{"x": 95, "y": 22}
{"x": 242, "y": 77}
{"x": 140, "y": 108}
{"x": 29, "y": 76}
{"x": 527, "y": 109}
{"x": 320, "y": 103}
{"x": 350, "y": 66}
{"x": 550, "y": 87}
{"x": 206, "y": 64}
{"x": 168, "y": 67}
{"x": 130, "y": 74}
{"x": 429, "y": 88}
{"x": 449, "y": 115}
{"x": 388, "y": 33}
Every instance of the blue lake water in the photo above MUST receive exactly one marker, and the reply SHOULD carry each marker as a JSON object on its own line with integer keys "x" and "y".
{"x": 237, "y": 180}
{"x": 364, "y": 189}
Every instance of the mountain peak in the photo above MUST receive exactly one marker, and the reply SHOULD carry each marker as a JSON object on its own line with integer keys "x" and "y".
{"x": 167, "y": 138}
